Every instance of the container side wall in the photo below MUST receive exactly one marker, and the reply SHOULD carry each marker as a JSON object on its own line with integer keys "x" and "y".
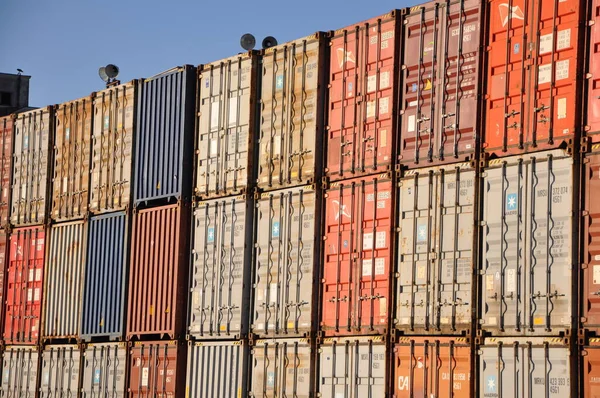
{"x": 6, "y": 156}
{"x": 104, "y": 370}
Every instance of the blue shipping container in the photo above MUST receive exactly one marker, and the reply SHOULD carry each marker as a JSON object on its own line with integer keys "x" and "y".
{"x": 164, "y": 136}
{"x": 105, "y": 277}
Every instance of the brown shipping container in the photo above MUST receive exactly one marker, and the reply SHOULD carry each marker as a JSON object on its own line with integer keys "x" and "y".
{"x": 433, "y": 366}
{"x": 71, "y": 181}
{"x": 20, "y": 367}
{"x": 592, "y": 111}
{"x": 6, "y": 156}
{"x": 291, "y": 113}
{"x": 590, "y": 374}
{"x": 4, "y": 245}
{"x": 159, "y": 269}
{"x": 60, "y": 371}
{"x": 157, "y": 369}
{"x": 112, "y": 148}
{"x": 590, "y": 225}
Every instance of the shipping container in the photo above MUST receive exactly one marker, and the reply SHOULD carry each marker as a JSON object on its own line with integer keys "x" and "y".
{"x": 4, "y": 247}
{"x": 292, "y": 107}
{"x": 536, "y": 51}
{"x": 227, "y": 107}
{"x": 358, "y": 256}
{"x": 64, "y": 275}
{"x": 526, "y": 367}
{"x": 164, "y": 128}
{"x": 6, "y": 156}
{"x": 158, "y": 272}
{"x": 157, "y": 369}
{"x": 105, "y": 277}
{"x": 104, "y": 370}
{"x": 282, "y": 368}
{"x": 112, "y": 148}
{"x": 441, "y": 86}
{"x": 433, "y": 366}
{"x": 363, "y": 97}
{"x": 220, "y": 274}
{"x": 286, "y": 272}
{"x": 591, "y": 110}
{"x": 352, "y": 367}
{"x": 20, "y": 367}
{"x": 72, "y": 146}
{"x": 60, "y": 371}
{"x": 217, "y": 369}
{"x": 24, "y": 285}
{"x": 436, "y": 242}
{"x": 590, "y": 378}
{"x": 32, "y": 166}
{"x": 529, "y": 243}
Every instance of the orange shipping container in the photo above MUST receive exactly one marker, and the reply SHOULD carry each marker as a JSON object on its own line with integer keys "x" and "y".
{"x": 157, "y": 369}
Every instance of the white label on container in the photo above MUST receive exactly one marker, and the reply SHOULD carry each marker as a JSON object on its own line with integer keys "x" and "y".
{"x": 597, "y": 256}
{"x": 563, "y": 41}
{"x": 213, "y": 147}
{"x": 379, "y": 266}
{"x": 371, "y": 109}
{"x": 384, "y": 82}
{"x": 561, "y": 71}
{"x": 23, "y": 191}
{"x": 368, "y": 241}
{"x": 383, "y": 138}
{"x": 65, "y": 184}
{"x": 546, "y": 43}
{"x": 596, "y": 274}
{"x": 29, "y": 294}
{"x": 233, "y": 109}
{"x": 411, "y": 123}
{"x": 384, "y": 105}
{"x": 372, "y": 83}
{"x": 276, "y": 146}
{"x": 36, "y": 294}
{"x": 544, "y": 72}
{"x": 31, "y": 275}
{"x": 562, "y": 108}
{"x": 145, "y": 377}
{"x": 489, "y": 282}
{"x": 273, "y": 292}
{"x": 214, "y": 115}
{"x": 367, "y": 265}
{"x": 380, "y": 240}
{"x": 511, "y": 280}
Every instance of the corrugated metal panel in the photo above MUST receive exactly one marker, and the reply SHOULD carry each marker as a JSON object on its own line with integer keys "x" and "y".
{"x": 157, "y": 369}
{"x": 356, "y": 364}
{"x": 282, "y": 368}
{"x": 158, "y": 273}
{"x": 105, "y": 277}
{"x": 3, "y": 270}
{"x": 64, "y": 280}
{"x": 226, "y": 127}
{"x": 112, "y": 148}
{"x": 104, "y": 370}
{"x": 286, "y": 278}
{"x": 164, "y": 135}
{"x": 24, "y": 284}
{"x": 528, "y": 239}
{"x": 6, "y": 156}
{"x": 292, "y": 110}
{"x": 60, "y": 373}
{"x": 435, "y": 276}
{"x": 32, "y": 163}
{"x": 221, "y": 268}
{"x": 590, "y": 373}
{"x": 217, "y": 369}
{"x": 72, "y": 145}
{"x": 20, "y": 367}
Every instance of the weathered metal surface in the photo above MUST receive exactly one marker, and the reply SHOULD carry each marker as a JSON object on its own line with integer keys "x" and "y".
{"x": 20, "y": 367}
{"x": 157, "y": 369}
{"x": 104, "y": 370}
{"x": 60, "y": 371}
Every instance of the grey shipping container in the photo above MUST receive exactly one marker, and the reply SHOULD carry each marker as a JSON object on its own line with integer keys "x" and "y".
{"x": 352, "y": 367}
{"x": 226, "y": 127}
{"x": 531, "y": 367}
{"x": 435, "y": 274}
{"x": 20, "y": 367}
{"x": 60, "y": 371}
{"x": 292, "y": 108}
{"x": 528, "y": 240}
{"x": 217, "y": 369}
{"x": 164, "y": 136}
{"x": 286, "y": 275}
{"x": 64, "y": 280}
{"x": 105, "y": 277}
{"x": 112, "y": 148}
{"x": 32, "y": 163}
{"x": 104, "y": 370}
{"x": 282, "y": 368}
{"x": 221, "y": 268}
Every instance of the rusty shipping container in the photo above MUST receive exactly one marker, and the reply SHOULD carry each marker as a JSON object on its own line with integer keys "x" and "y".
{"x": 164, "y": 129}
{"x": 4, "y": 247}
{"x": 32, "y": 165}
{"x": 441, "y": 86}
{"x": 6, "y": 157}
{"x": 433, "y": 366}
{"x": 72, "y": 146}
{"x": 286, "y": 272}
{"x": 111, "y": 166}
{"x": 526, "y": 367}
{"x": 220, "y": 274}
{"x": 436, "y": 245}
{"x": 592, "y": 68}
{"x": 158, "y": 272}
{"x": 104, "y": 370}
{"x": 529, "y": 243}
{"x": 24, "y": 285}
{"x": 536, "y": 51}
{"x": 590, "y": 376}
{"x": 226, "y": 126}
{"x": 357, "y": 256}
{"x": 363, "y": 85}
{"x": 352, "y": 367}
{"x": 157, "y": 369}
{"x": 292, "y": 107}
{"x": 282, "y": 368}
{"x": 60, "y": 371}
{"x": 20, "y": 367}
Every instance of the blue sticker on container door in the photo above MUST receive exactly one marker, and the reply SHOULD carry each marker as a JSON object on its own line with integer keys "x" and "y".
{"x": 511, "y": 202}
{"x": 490, "y": 384}
{"x": 517, "y": 48}
{"x": 211, "y": 235}
{"x": 206, "y": 83}
{"x": 422, "y": 233}
{"x": 279, "y": 82}
{"x": 271, "y": 379}
{"x": 67, "y": 133}
{"x": 349, "y": 87}
{"x": 275, "y": 229}
{"x": 413, "y": 88}
{"x": 26, "y": 142}
{"x": 97, "y": 376}
{"x": 6, "y": 375}
{"x": 106, "y": 122}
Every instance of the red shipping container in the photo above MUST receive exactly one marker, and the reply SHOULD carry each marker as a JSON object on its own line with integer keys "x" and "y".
{"x": 6, "y": 144}
{"x": 363, "y": 97}
{"x": 591, "y": 368}
{"x": 24, "y": 283}
{"x": 158, "y": 275}
{"x": 357, "y": 250}
{"x": 3, "y": 258}
{"x": 590, "y": 224}
{"x": 157, "y": 369}
{"x": 593, "y": 83}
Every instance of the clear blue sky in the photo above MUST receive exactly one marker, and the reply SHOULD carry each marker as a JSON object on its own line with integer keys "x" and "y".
{"x": 61, "y": 43}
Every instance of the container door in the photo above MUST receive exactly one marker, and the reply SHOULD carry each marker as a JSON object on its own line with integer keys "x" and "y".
{"x": 60, "y": 371}
{"x": 104, "y": 369}
{"x": 6, "y": 155}
{"x": 19, "y": 371}
{"x": 153, "y": 370}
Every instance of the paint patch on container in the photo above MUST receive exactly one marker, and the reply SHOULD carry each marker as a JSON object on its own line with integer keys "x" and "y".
{"x": 596, "y": 274}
